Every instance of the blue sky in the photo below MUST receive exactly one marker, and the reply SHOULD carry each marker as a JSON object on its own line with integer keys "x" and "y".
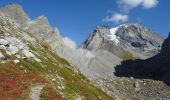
{"x": 77, "y": 18}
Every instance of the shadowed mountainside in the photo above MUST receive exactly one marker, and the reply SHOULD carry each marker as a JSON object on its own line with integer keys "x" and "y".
{"x": 157, "y": 67}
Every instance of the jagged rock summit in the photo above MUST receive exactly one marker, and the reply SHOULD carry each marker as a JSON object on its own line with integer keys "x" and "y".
{"x": 15, "y": 12}
{"x": 125, "y": 40}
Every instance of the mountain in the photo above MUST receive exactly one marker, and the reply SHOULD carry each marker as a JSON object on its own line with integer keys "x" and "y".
{"x": 156, "y": 67}
{"x": 127, "y": 41}
{"x": 138, "y": 49}
{"x": 30, "y": 69}
{"x": 36, "y": 62}
{"x": 103, "y": 50}
{"x": 89, "y": 63}
{"x": 144, "y": 79}
{"x": 15, "y": 13}
{"x": 69, "y": 43}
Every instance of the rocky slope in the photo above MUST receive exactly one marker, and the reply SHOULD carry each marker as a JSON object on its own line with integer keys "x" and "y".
{"x": 134, "y": 89}
{"x": 143, "y": 79}
{"x": 28, "y": 65}
{"x": 126, "y": 41}
{"x": 90, "y": 63}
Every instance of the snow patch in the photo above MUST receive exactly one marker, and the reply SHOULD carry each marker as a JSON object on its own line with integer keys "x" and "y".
{"x": 113, "y": 36}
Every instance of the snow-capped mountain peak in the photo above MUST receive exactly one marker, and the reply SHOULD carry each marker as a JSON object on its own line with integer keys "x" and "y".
{"x": 134, "y": 39}
{"x": 113, "y": 36}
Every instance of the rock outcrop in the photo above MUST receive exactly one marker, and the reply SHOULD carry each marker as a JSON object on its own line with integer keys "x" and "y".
{"x": 15, "y": 13}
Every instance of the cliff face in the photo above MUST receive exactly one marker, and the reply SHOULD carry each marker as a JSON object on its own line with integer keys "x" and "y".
{"x": 166, "y": 46}
{"x": 41, "y": 29}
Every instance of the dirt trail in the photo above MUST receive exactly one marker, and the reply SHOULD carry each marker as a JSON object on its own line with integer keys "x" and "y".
{"x": 36, "y": 92}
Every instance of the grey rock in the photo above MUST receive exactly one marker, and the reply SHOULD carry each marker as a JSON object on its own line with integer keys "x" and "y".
{"x": 69, "y": 43}
{"x": 41, "y": 29}
{"x": 133, "y": 38}
{"x": 16, "y": 13}
{"x": 92, "y": 64}
{"x": 2, "y": 57}
{"x": 3, "y": 42}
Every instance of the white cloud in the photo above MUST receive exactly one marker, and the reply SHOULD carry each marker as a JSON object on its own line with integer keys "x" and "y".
{"x": 117, "y": 18}
{"x": 127, "y": 5}
{"x": 150, "y": 3}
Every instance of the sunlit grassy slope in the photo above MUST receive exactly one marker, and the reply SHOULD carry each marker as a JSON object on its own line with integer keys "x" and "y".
{"x": 61, "y": 80}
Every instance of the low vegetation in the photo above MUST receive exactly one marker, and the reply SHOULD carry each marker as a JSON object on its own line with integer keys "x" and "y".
{"x": 62, "y": 81}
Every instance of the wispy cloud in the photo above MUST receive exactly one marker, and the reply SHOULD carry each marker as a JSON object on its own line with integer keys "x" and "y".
{"x": 125, "y": 6}
{"x": 117, "y": 18}
{"x": 150, "y": 3}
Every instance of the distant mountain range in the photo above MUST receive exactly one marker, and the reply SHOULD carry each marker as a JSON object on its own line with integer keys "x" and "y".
{"x": 106, "y": 57}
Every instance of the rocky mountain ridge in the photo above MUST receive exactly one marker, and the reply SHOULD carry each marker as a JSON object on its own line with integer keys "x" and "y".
{"x": 15, "y": 13}
{"x": 132, "y": 38}
{"x": 88, "y": 62}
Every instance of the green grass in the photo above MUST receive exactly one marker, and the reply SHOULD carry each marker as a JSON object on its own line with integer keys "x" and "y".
{"x": 127, "y": 56}
{"x": 74, "y": 83}
{"x": 49, "y": 93}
